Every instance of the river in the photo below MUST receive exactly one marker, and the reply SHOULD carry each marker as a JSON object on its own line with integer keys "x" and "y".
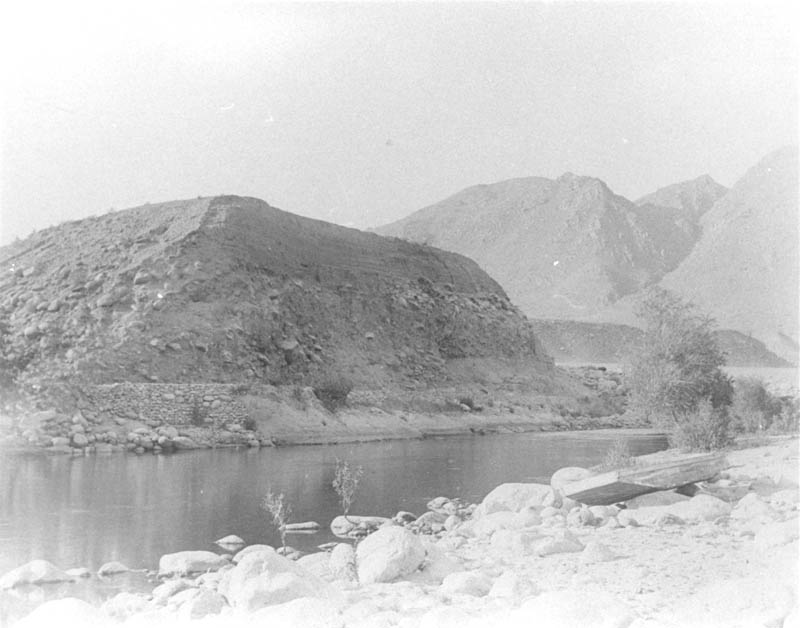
{"x": 85, "y": 511}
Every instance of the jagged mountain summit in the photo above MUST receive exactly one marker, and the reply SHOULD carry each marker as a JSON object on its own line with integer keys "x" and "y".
{"x": 694, "y": 198}
{"x": 230, "y": 289}
{"x": 745, "y": 269}
{"x": 563, "y": 248}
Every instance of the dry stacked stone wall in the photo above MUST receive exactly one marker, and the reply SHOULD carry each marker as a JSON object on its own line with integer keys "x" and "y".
{"x": 169, "y": 404}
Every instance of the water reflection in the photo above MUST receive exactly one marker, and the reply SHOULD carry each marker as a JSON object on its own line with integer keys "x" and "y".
{"x": 90, "y": 510}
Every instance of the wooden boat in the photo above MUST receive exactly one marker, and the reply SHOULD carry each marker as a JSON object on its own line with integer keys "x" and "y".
{"x": 623, "y": 484}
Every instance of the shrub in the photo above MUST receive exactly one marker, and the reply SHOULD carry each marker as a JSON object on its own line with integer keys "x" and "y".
{"x": 467, "y": 401}
{"x": 332, "y": 391}
{"x": 704, "y": 429}
{"x": 678, "y": 363}
{"x": 788, "y": 421}
{"x": 618, "y": 456}
{"x": 345, "y": 482}
{"x": 754, "y": 407}
{"x": 280, "y": 511}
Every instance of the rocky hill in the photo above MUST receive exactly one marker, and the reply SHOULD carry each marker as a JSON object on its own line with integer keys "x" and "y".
{"x": 694, "y": 198}
{"x": 744, "y": 270}
{"x": 562, "y": 248}
{"x": 229, "y": 289}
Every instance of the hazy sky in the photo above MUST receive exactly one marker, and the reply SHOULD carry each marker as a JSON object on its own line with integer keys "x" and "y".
{"x": 363, "y": 113}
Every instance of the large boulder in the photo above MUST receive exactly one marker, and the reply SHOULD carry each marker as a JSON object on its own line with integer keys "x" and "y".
{"x": 568, "y": 475}
{"x": 514, "y": 497}
{"x": 252, "y": 549}
{"x": 34, "y": 572}
{"x": 342, "y": 562}
{"x": 466, "y": 583}
{"x": 124, "y": 605}
{"x": 559, "y": 542}
{"x": 388, "y": 554}
{"x": 271, "y": 588}
{"x": 701, "y": 507}
{"x": 189, "y": 562}
{"x": 752, "y": 508}
{"x": 777, "y": 534}
{"x": 206, "y": 602}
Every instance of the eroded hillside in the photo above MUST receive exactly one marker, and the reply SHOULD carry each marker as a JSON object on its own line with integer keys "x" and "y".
{"x": 229, "y": 289}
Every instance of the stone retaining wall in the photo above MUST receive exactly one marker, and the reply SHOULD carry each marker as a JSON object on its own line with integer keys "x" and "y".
{"x": 171, "y": 404}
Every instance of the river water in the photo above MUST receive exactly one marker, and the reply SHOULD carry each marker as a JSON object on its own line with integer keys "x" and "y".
{"x": 85, "y": 511}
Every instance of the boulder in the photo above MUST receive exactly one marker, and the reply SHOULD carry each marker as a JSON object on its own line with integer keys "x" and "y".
{"x": 596, "y": 552}
{"x": 317, "y": 564}
{"x": 526, "y": 518}
{"x": 344, "y": 526}
{"x": 305, "y": 526}
{"x": 466, "y": 583}
{"x": 701, "y": 507}
{"x": 206, "y": 602}
{"x": 79, "y": 440}
{"x": 776, "y": 534}
{"x": 489, "y": 524}
{"x": 751, "y": 507}
{"x": 510, "y": 586}
{"x": 230, "y": 541}
{"x": 388, "y": 554}
{"x": 189, "y": 562}
{"x": 252, "y": 549}
{"x": 271, "y": 588}
{"x": 169, "y": 588}
{"x": 513, "y": 497}
{"x": 515, "y": 542}
{"x": 184, "y": 442}
{"x": 342, "y": 563}
{"x": 34, "y": 572}
{"x": 567, "y": 475}
{"x": 124, "y": 605}
{"x": 111, "y": 568}
{"x": 787, "y": 497}
{"x": 559, "y": 542}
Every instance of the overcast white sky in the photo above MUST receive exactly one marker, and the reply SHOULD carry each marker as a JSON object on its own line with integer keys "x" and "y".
{"x": 363, "y": 113}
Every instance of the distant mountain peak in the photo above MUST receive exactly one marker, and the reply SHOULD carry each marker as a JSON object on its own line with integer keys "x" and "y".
{"x": 693, "y": 197}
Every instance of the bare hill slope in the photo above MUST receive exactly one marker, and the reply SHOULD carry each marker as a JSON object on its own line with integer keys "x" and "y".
{"x": 744, "y": 269}
{"x": 230, "y": 289}
{"x": 562, "y": 248}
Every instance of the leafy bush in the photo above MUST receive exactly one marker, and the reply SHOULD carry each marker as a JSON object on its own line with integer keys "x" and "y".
{"x": 618, "y": 456}
{"x": 345, "y": 482}
{"x": 704, "y": 429}
{"x": 788, "y": 421}
{"x": 280, "y": 511}
{"x": 675, "y": 376}
{"x": 332, "y": 391}
{"x": 754, "y": 407}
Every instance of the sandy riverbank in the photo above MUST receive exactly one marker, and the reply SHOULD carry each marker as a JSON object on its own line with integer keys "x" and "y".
{"x": 726, "y": 557}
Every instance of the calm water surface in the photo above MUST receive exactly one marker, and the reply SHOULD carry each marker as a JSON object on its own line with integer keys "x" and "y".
{"x": 89, "y": 510}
